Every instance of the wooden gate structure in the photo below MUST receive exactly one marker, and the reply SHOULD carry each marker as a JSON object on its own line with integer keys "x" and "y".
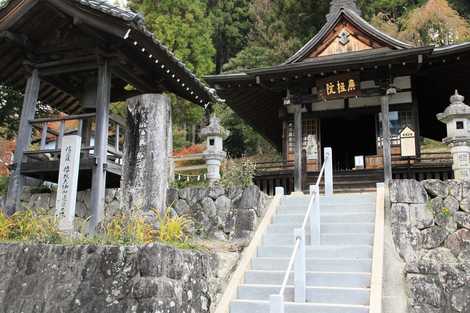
{"x": 78, "y": 56}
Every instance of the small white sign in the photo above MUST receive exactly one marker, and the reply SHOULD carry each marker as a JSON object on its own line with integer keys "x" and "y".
{"x": 408, "y": 142}
{"x": 312, "y": 147}
{"x": 68, "y": 181}
{"x": 359, "y": 161}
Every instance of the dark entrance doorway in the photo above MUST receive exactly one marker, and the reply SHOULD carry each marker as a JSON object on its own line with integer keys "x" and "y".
{"x": 349, "y": 136}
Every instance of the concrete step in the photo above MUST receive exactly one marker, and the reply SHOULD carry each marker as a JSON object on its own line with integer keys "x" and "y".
{"x": 329, "y": 209}
{"x": 314, "y": 264}
{"x": 253, "y": 306}
{"x": 329, "y": 201}
{"x": 326, "y": 228}
{"x": 331, "y": 295}
{"x": 326, "y": 239}
{"x": 326, "y": 218}
{"x": 332, "y": 252}
{"x": 325, "y": 279}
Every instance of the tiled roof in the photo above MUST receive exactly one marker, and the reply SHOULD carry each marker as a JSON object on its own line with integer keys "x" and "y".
{"x": 108, "y": 8}
{"x": 337, "y": 5}
{"x": 136, "y": 22}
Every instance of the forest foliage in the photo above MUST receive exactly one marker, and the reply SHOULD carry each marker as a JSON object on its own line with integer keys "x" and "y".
{"x": 241, "y": 34}
{"x": 212, "y": 36}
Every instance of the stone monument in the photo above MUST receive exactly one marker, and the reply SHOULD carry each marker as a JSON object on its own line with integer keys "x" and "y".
{"x": 456, "y": 116}
{"x": 147, "y": 147}
{"x": 68, "y": 181}
{"x": 214, "y": 154}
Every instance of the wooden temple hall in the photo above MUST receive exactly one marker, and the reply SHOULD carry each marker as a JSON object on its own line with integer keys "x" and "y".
{"x": 77, "y": 57}
{"x": 333, "y": 93}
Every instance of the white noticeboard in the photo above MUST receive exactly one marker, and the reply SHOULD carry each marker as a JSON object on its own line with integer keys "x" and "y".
{"x": 359, "y": 162}
{"x": 408, "y": 142}
{"x": 68, "y": 181}
{"x": 312, "y": 147}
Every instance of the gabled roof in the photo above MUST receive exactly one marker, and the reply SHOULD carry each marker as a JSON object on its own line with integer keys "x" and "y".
{"x": 355, "y": 19}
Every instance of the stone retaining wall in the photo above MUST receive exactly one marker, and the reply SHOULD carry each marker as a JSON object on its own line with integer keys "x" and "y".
{"x": 89, "y": 279}
{"x": 224, "y": 214}
{"x": 33, "y": 200}
{"x": 431, "y": 229}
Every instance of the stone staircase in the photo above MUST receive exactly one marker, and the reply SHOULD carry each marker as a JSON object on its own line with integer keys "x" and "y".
{"x": 338, "y": 271}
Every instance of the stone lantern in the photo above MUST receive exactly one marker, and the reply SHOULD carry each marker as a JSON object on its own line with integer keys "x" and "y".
{"x": 457, "y": 118}
{"x": 214, "y": 154}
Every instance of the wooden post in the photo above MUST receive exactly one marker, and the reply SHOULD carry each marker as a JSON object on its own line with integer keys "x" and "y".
{"x": 298, "y": 149}
{"x": 15, "y": 186}
{"x": 45, "y": 128}
{"x": 98, "y": 185}
{"x": 86, "y": 135}
{"x": 385, "y": 100}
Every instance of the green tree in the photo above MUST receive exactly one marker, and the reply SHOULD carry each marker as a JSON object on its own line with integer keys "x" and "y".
{"x": 10, "y": 111}
{"x": 435, "y": 23}
{"x": 232, "y": 23}
{"x": 269, "y": 43}
{"x": 185, "y": 27}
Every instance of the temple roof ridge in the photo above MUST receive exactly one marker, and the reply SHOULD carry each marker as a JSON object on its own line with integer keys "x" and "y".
{"x": 338, "y": 5}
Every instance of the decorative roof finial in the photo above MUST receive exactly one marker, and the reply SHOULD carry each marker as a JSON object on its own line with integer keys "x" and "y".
{"x": 337, "y": 5}
{"x": 457, "y": 98}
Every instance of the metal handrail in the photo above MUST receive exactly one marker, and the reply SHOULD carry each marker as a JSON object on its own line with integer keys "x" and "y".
{"x": 289, "y": 267}
{"x": 277, "y": 300}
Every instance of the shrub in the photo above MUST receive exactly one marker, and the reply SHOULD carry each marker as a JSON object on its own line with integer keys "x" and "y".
{"x": 124, "y": 228}
{"x": 173, "y": 228}
{"x": 183, "y": 183}
{"x": 30, "y": 226}
{"x": 238, "y": 173}
{"x": 3, "y": 185}
{"x": 5, "y": 226}
{"x": 127, "y": 228}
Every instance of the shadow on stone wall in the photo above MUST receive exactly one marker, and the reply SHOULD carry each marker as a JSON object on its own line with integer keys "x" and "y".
{"x": 33, "y": 200}
{"x": 91, "y": 279}
{"x": 431, "y": 228}
{"x": 218, "y": 213}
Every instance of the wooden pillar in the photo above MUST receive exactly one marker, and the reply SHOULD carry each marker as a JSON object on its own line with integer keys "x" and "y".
{"x": 98, "y": 185}
{"x": 23, "y": 140}
{"x": 298, "y": 148}
{"x": 387, "y": 155}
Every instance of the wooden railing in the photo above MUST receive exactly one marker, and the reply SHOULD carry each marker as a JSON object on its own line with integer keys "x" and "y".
{"x": 193, "y": 167}
{"x": 50, "y": 139}
{"x": 435, "y": 165}
{"x": 276, "y": 166}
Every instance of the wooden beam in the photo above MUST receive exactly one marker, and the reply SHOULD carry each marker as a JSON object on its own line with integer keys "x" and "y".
{"x": 15, "y": 186}
{"x": 144, "y": 85}
{"x": 71, "y": 68}
{"x": 16, "y": 14}
{"x": 20, "y": 40}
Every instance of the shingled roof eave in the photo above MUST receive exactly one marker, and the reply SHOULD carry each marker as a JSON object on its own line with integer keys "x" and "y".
{"x": 135, "y": 21}
{"x": 321, "y": 63}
